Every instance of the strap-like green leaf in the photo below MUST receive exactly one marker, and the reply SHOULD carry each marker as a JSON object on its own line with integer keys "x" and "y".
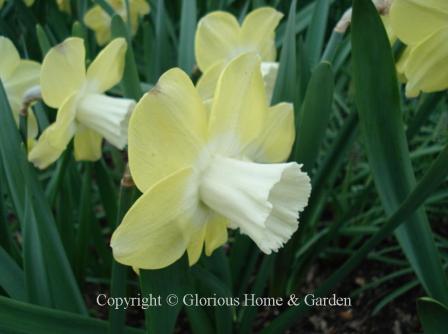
{"x": 286, "y": 86}
{"x": 21, "y": 318}
{"x": 186, "y": 40}
{"x": 433, "y": 316}
{"x": 377, "y": 99}
{"x": 21, "y": 179}
{"x": 11, "y": 277}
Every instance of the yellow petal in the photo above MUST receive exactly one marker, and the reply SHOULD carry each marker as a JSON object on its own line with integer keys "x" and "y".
{"x": 216, "y": 234}
{"x": 196, "y": 245}
{"x": 25, "y": 76}
{"x": 167, "y": 129}
{"x": 87, "y": 144}
{"x": 401, "y": 63}
{"x": 258, "y": 32}
{"x": 206, "y": 84}
{"x": 56, "y": 137}
{"x": 9, "y": 60}
{"x": 63, "y": 71}
{"x": 29, "y": 3}
{"x": 157, "y": 229}
{"x": 415, "y": 20}
{"x": 140, "y": 6}
{"x": 240, "y": 105}
{"x": 137, "y": 9}
{"x": 99, "y": 21}
{"x": 275, "y": 142}
{"x": 426, "y": 66}
{"x": 217, "y": 37}
{"x": 107, "y": 68}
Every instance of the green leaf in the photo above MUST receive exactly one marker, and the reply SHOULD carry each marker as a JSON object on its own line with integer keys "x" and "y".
{"x": 433, "y": 315}
{"x": 42, "y": 38}
{"x": 377, "y": 99}
{"x": 21, "y": 179}
{"x": 161, "y": 39}
{"x": 21, "y": 318}
{"x": 315, "y": 35}
{"x": 249, "y": 313}
{"x": 286, "y": 86}
{"x": 37, "y": 282}
{"x": 313, "y": 118}
{"x": 163, "y": 282}
{"x": 186, "y": 40}
{"x": 12, "y": 279}
{"x": 130, "y": 81}
{"x": 433, "y": 178}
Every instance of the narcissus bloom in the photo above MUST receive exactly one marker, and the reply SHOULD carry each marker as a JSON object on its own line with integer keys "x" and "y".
{"x": 64, "y": 5}
{"x": 99, "y": 21}
{"x": 18, "y": 77}
{"x": 203, "y": 170}
{"x": 220, "y": 38}
{"x": 84, "y": 112}
{"x": 423, "y": 27}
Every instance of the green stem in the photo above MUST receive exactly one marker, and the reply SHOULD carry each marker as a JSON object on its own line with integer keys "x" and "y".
{"x": 332, "y": 46}
{"x": 85, "y": 219}
{"x": 117, "y": 317}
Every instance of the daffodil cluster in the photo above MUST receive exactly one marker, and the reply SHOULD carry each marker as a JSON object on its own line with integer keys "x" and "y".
{"x": 85, "y": 113}
{"x": 203, "y": 170}
{"x": 423, "y": 27}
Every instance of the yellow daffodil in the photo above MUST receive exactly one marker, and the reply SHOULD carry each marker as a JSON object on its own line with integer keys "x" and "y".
{"x": 423, "y": 27}
{"x": 64, "y": 6}
{"x": 203, "y": 170}
{"x": 84, "y": 112}
{"x": 220, "y": 38}
{"x": 99, "y": 21}
{"x": 18, "y": 77}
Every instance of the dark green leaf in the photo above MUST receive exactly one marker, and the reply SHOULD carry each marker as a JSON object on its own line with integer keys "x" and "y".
{"x": 433, "y": 316}
{"x": 377, "y": 99}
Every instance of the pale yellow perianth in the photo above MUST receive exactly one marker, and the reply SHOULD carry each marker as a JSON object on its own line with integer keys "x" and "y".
{"x": 206, "y": 166}
{"x": 84, "y": 111}
{"x": 220, "y": 39}
{"x": 423, "y": 26}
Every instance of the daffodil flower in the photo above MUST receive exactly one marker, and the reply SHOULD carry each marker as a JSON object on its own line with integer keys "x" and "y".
{"x": 64, "y": 6}
{"x": 84, "y": 112}
{"x": 18, "y": 76}
{"x": 203, "y": 171}
{"x": 220, "y": 38}
{"x": 423, "y": 27}
{"x": 99, "y": 21}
